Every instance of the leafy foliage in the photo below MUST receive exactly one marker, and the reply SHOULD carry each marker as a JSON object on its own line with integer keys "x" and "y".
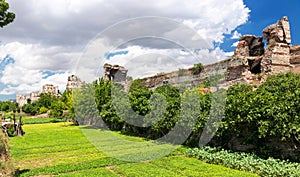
{"x": 277, "y": 107}
{"x": 245, "y": 162}
{"x": 170, "y": 117}
{"x": 57, "y": 108}
{"x": 45, "y": 100}
{"x": 31, "y": 108}
{"x": 197, "y": 68}
{"x": 8, "y": 106}
{"x": 181, "y": 72}
{"x": 265, "y": 117}
{"x": 43, "y": 110}
{"x": 5, "y": 16}
{"x": 260, "y": 118}
{"x": 43, "y": 104}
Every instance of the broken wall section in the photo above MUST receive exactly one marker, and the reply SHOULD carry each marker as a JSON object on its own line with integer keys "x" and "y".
{"x": 251, "y": 57}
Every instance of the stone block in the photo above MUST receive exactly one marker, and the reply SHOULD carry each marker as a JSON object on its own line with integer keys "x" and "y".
{"x": 295, "y": 59}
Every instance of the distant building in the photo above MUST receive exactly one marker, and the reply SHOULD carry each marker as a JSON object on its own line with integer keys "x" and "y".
{"x": 22, "y": 99}
{"x": 73, "y": 82}
{"x": 50, "y": 88}
{"x": 34, "y": 96}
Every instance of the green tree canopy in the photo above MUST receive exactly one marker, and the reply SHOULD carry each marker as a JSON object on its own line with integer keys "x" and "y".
{"x": 46, "y": 100}
{"x": 5, "y": 16}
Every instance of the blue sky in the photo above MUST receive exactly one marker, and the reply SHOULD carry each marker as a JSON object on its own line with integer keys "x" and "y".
{"x": 267, "y": 12}
{"x": 47, "y": 41}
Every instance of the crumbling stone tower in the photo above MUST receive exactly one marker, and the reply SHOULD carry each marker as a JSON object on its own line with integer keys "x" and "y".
{"x": 115, "y": 73}
{"x": 74, "y": 82}
{"x": 251, "y": 57}
{"x": 277, "y": 55}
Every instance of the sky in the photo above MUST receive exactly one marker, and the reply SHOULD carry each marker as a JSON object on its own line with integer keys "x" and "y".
{"x": 50, "y": 40}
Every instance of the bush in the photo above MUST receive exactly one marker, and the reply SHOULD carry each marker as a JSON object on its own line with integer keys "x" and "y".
{"x": 197, "y": 68}
{"x": 11, "y": 131}
{"x": 245, "y": 162}
{"x": 266, "y": 119}
{"x": 43, "y": 110}
{"x": 181, "y": 72}
{"x": 57, "y": 108}
{"x": 31, "y": 109}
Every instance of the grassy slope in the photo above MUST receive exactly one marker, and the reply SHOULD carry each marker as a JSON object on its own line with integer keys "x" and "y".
{"x": 6, "y": 165}
{"x": 61, "y": 149}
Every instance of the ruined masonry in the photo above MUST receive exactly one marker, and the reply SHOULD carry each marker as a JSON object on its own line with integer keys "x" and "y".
{"x": 51, "y": 89}
{"x": 251, "y": 57}
{"x": 74, "y": 82}
{"x": 22, "y": 99}
{"x": 251, "y": 63}
{"x": 115, "y": 73}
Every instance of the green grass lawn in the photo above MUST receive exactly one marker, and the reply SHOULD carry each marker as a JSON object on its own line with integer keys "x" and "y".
{"x": 60, "y": 149}
{"x": 34, "y": 120}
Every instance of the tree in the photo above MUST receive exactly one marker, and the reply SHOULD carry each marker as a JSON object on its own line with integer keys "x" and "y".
{"x": 56, "y": 109}
{"x": 85, "y": 107}
{"x": 5, "y": 106}
{"x": 43, "y": 110}
{"x": 46, "y": 100}
{"x": 5, "y": 16}
{"x": 8, "y": 106}
{"x": 67, "y": 99}
{"x": 172, "y": 97}
{"x": 197, "y": 68}
{"x": 277, "y": 107}
{"x": 136, "y": 85}
{"x": 31, "y": 109}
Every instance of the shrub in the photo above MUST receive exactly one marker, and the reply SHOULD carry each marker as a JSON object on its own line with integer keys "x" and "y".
{"x": 197, "y": 68}
{"x": 181, "y": 72}
{"x": 43, "y": 110}
{"x": 245, "y": 162}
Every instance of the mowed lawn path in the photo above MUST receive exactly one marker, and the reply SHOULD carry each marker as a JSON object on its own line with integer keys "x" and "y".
{"x": 60, "y": 149}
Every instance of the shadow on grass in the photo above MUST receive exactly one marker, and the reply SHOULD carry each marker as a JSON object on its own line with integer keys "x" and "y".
{"x": 18, "y": 172}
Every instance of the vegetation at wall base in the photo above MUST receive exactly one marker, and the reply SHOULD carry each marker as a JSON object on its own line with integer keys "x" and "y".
{"x": 245, "y": 162}
{"x": 197, "y": 68}
{"x": 264, "y": 120}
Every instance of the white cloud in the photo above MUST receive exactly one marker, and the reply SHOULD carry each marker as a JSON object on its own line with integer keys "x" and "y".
{"x": 51, "y": 35}
{"x": 236, "y": 35}
{"x": 74, "y": 21}
{"x": 142, "y": 62}
{"x": 31, "y": 63}
{"x": 59, "y": 80}
{"x": 235, "y": 44}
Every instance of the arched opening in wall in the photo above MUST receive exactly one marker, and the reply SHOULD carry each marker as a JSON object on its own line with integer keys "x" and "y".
{"x": 256, "y": 46}
{"x": 255, "y": 66}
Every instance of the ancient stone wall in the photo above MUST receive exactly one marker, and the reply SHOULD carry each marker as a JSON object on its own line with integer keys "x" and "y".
{"x": 251, "y": 63}
{"x": 295, "y": 58}
{"x": 115, "y": 73}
